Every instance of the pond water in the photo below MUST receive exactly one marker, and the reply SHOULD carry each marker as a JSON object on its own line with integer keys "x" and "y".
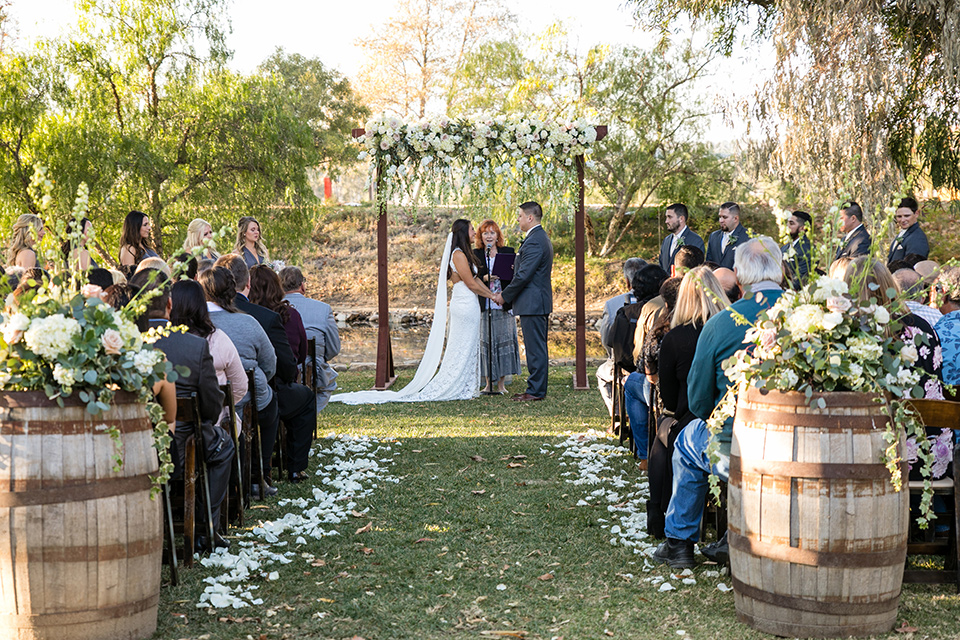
{"x": 359, "y": 344}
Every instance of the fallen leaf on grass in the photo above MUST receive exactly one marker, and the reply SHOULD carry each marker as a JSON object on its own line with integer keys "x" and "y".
{"x": 424, "y": 540}
{"x": 504, "y": 634}
{"x": 327, "y": 600}
{"x": 607, "y": 632}
{"x": 366, "y": 550}
{"x": 545, "y": 577}
{"x": 514, "y": 465}
{"x": 357, "y": 514}
{"x": 479, "y": 493}
{"x": 519, "y": 457}
{"x": 905, "y": 628}
{"x": 318, "y": 563}
{"x": 365, "y": 528}
{"x": 519, "y": 513}
{"x": 535, "y": 552}
{"x": 478, "y": 458}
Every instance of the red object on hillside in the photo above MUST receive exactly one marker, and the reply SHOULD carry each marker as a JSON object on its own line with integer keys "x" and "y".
{"x": 327, "y": 188}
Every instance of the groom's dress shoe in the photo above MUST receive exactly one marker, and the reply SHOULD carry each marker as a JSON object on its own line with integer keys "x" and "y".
{"x": 526, "y": 397}
{"x": 517, "y": 396}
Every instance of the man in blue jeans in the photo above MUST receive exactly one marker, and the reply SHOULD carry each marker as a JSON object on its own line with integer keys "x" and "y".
{"x": 757, "y": 265}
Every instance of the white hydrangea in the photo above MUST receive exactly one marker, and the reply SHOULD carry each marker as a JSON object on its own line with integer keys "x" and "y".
{"x": 131, "y": 334}
{"x": 863, "y": 348}
{"x": 14, "y": 326}
{"x": 64, "y": 376}
{"x": 51, "y": 336}
{"x": 829, "y": 288}
{"x": 146, "y": 359}
{"x": 804, "y": 320}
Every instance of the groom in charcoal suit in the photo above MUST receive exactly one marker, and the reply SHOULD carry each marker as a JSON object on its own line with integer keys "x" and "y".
{"x": 531, "y": 296}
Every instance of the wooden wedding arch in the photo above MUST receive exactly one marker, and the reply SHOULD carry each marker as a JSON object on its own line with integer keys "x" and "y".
{"x": 385, "y": 371}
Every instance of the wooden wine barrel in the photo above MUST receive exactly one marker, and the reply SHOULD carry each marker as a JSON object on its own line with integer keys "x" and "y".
{"x": 818, "y": 535}
{"x": 80, "y": 544}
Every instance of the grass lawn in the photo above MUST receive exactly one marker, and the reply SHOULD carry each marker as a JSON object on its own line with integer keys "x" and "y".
{"x": 482, "y": 537}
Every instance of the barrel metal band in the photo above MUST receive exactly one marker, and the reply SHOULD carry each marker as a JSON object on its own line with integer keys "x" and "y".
{"x": 84, "y": 616}
{"x": 833, "y": 559}
{"x": 814, "y": 420}
{"x": 94, "y": 553}
{"x": 36, "y": 427}
{"x": 91, "y": 490}
{"x": 813, "y": 606}
{"x": 825, "y": 470}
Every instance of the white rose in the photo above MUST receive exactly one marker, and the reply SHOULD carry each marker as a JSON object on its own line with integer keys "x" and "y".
{"x": 838, "y": 304}
{"x": 881, "y": 315}
{"x": 909, "y": 353}
{"x": 831, "y": 320}
{"x": 14, "y": 327}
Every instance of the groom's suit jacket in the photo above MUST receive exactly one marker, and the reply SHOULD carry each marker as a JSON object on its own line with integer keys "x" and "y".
{"x": 530, "y": 293}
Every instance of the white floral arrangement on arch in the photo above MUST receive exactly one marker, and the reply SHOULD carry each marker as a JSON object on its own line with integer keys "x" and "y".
{"x": 59, "y": 337}
{"x": 483, "y": 155}
{"x": 822, "y": 339}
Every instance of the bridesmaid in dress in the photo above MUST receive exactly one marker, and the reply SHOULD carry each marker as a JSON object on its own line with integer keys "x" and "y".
{"x": 250, "y": 243}
{"x": 135, "y": 245}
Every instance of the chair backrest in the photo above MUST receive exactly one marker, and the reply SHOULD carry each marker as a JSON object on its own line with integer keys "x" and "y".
{"x": 188, "y": 411}
{"x": 938, "y": 413}
{"x": 310, "y": 368}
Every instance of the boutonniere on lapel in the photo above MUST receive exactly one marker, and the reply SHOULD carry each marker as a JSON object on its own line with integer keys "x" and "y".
{"x": 680, "y": 242}
{"x": 732, "y": 240}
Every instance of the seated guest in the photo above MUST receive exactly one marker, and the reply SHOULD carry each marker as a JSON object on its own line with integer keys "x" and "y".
{"x": 30, "y": 280}
{"x": 256, "y": 354}
{"x": 675, "y": 219}
{"x": 297, "y": 403}
{"x": 869, "y": 280}
{"x": 204, "y": 265}
{"x": 687, "y": 258}
{"x": 700, "y": 297}
{"x": 75, "y": 253}
{"x": 118, "y": 276}
{"x": 856, "y": 241}
{"x": 319, "y": 323}
{"x": 28, "y": 231}
{"x": 916, "y": 295}
{"x": 199, "y": 232}
{"x": 190, "y": 310}
{"x": 610, "y": 308}
{"x": 100, "y": 277}
{"x": 650, "y": 352}
{"x": 266, "y": 291}
{"x": 636, "y": 388}
{"x": 910, "y": 239}
{"x": 157, "y": 263}
{"x": 192, "y": 266}
{"x": 947, "y": 291}
{"x": 192, "y": 352}
{"x": 797, "y": 253}
{"x": 757, "y": 265}
{"x": 135, "y": 243}
{"x": 728, "y": 281}
{"x": 250, "y": 243}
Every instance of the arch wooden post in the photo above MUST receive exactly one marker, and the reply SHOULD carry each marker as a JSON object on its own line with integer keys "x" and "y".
{"x": 385, "y": 375}
{"x": 580, "y": 371}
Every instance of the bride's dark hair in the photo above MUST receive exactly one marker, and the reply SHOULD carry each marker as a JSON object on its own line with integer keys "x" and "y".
{"x": 461, "y": 240}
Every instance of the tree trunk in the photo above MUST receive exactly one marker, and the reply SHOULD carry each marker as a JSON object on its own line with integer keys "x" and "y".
{"x": 612, "y": 239}
{"x": 590, "y": 234}
{"x": 156, "y": 216}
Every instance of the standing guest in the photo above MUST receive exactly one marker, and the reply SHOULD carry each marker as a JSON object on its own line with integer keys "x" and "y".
{"x": 28, "y": 231}
{"x": 256, "y": 354}
{"x": 798, "y": 253}
{"x": 675, "y": 219}
{"x": 190, "y": 310}
{"x": 319, "y": 323}
{"x": 200, "y": 231}
{"x": 723, "y": 243}
{"x": 699, "y": 299}
{"x": 606, "y": 370}
{"x": 911, "y": 240}
{"x": 506, "y": 350}
{"x": 192, "y": 352}
{"x": 296, "y": 403}
{"x": 916, "y": 295}
{"x": 75, "y": 252}
{"x": 135, "y": 243}
{"x": 758, "y": 268}
{"x": 266, "y": 291}
{"x": 250, "y": 243}
{"x": 856, "y": 241}
{"x": 530, "y": 294}
{"x": 947, "y": 291}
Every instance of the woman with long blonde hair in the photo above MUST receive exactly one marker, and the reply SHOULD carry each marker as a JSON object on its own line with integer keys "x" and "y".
{"x": 198, "y": 232}
{"x": 28, "y": 231}
{"x": 250, "y": 242}
{"x": 700, "y": 298}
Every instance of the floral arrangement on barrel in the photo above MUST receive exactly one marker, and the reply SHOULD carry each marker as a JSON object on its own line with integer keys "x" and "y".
{"x": 831, "y": 336}
{"x": 59, "y": 337}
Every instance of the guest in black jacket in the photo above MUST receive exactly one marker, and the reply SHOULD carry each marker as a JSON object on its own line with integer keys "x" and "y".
{"x": 297, "y": 403}
{"x": 699, "y": 298}
{"x": 503, "y": 325}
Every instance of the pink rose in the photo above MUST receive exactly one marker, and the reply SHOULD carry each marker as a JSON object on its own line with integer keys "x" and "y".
{"x": 91, "y": 291}
{"x": 838, "y": 304}
{"x": 768, "y": 339}
{"x": 112, "y": 341}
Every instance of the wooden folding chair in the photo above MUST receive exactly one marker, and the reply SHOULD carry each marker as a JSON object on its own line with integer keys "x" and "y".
{"x": 619, "y": 423}
{"x": 250, "y": 432}
{"x": 236, "y": 500}
{"x": 937, "y": 415}
{"x": 188, "y": 410}
{"x": 180, "y": 498}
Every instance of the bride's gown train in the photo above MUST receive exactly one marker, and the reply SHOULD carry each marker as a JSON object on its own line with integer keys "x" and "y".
{"x": 458, "y": 377}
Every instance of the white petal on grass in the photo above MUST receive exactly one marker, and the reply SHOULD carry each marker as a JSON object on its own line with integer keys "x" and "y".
{"x": 666, "y": 586}
{"x": 501, "y": 587}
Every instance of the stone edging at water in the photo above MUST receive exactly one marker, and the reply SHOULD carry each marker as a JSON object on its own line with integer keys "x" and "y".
{"x": 417, "y": 317}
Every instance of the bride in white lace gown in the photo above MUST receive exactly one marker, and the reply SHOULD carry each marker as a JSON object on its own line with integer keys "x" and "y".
{"x": 458, "y": 377}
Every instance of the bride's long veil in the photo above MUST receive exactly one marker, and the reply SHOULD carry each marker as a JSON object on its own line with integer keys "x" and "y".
{"x": 432, "y": 354}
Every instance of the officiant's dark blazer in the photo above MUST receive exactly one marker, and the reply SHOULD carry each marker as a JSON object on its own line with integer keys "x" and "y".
{"x": 482, "y": 271}
{"x": 689, "y": 239}
{"x": 725, "y": 258}
{"x": 914, "y": 241}
{"x": 857, "y": 245}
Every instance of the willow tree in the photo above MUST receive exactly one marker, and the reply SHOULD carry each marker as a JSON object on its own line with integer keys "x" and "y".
{"x": 864, "y": 91}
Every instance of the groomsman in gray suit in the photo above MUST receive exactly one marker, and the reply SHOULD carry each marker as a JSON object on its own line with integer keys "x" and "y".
{"x": 530, "y": 294}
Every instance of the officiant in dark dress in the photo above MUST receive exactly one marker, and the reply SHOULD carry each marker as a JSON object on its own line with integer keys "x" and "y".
{"x": 505, "y": 349}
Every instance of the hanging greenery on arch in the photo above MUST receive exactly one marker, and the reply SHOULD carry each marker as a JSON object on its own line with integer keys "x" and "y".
{"x": 494, "y": 160}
